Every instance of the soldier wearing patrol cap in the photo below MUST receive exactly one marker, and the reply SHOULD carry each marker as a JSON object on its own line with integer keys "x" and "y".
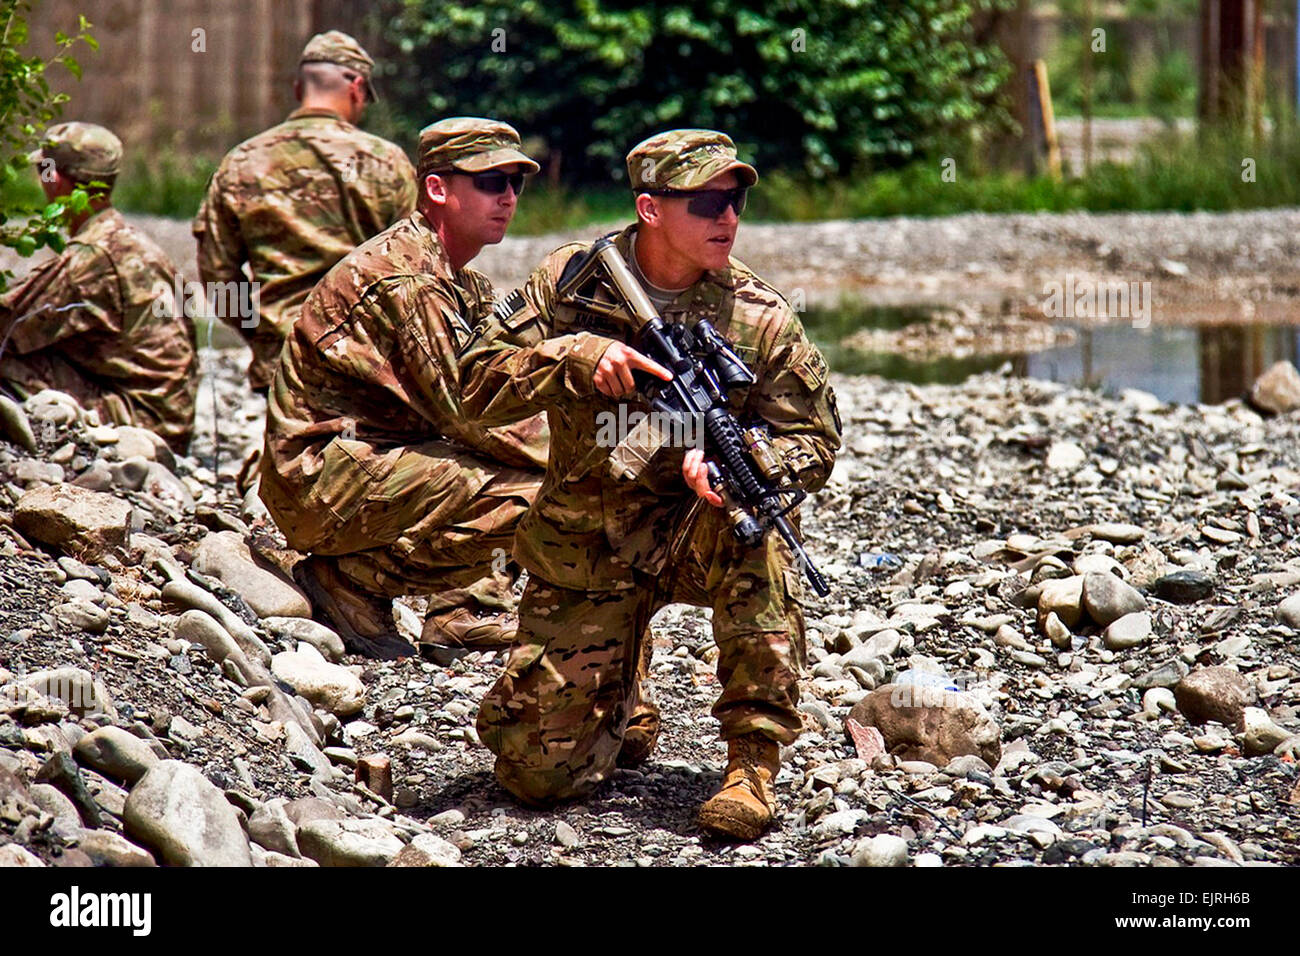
{"x": 99, "y": 321}
{"x": 370, "y": 464}
{"x": 607, "y": 545}
{"x": 294, "y": 200}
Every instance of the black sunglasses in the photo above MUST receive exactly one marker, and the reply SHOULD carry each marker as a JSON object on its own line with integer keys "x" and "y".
{"x": 494, "y": 181}
{"x": 707, "y": 203}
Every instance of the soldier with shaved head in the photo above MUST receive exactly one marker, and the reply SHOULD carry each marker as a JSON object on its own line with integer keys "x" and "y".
{"x": 292, "y": 201}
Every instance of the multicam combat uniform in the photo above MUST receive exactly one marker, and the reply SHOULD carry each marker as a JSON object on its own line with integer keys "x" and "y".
{"x": 368, "y": 454}
{"x": 605, "y": 551}
{"x": 100, "y": 322}
{"x": 291, "y": 202}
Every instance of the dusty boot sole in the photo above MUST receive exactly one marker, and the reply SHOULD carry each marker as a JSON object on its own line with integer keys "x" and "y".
{"x": 384, "y": 647}
{"x": 731, "y": 821}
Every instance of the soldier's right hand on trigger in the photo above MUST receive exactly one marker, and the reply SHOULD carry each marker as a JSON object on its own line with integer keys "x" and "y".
{"x": 613, "y": 375}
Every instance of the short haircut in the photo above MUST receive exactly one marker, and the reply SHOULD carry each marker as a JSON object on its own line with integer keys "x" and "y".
{"x": 326, "y": 78}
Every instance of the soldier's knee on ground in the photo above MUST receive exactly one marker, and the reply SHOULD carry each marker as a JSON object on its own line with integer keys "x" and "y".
{"x": 541, "y": 786}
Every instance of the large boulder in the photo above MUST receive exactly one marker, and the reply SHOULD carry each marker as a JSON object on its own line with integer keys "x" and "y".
{"x": 88, "y": 523}
{"x": 181, "y": 815}
{"x": 1215, "y": 693}
{"x": 930, "y": 724}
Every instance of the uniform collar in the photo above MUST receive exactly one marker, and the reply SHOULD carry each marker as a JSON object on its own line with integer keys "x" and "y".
{"x": 703, "y": 295}
{"x": 305, "y": 112}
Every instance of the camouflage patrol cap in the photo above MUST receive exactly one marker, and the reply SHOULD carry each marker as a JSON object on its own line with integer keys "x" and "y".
{"x": 337, "y": 47}
{"x": 81, "y": 151}
{"x": 685, "y": 159}
{"x": 471, "y": 144}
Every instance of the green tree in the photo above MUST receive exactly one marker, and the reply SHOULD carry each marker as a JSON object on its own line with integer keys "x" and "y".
{"x": 815, "y": 87}
{"x": 27, "y": 105}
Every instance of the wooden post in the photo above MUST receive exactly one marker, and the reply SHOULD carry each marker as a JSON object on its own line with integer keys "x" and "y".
{"x": 1041, "y": 104}
{"x": 1088, "y": 54}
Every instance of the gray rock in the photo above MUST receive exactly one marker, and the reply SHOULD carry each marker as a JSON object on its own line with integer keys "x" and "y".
{"x": 348, "y": 842}
{"x": 1057, "y": 632}
{"x": 133, "y": 442}
{"x": 53, "y": 802}
{"x": 202, "y": 629}
{"x": 1184, "y": 587}
{"x": 188, "y": 595}
{"x": 77, "y": 688}
{"x": 89, "y": 524}
{"x": 1106, "y": 598}
{"x": 11, "y": 854}
{"x": 1167, "y": 674}
{"x": 80, "y": 615}
{"x": 30, "y": 470}
{"x": 1128, "y": 631}
{"x": 130, "y": 475}
{"x": 1262, "y": 736}
{"x": 115, "y": 753}
{"x": 565, "y": 835}
{"x": 1288, "y": 612}
{"x": 326, "y": 685}
{"x": 297, "y": 743}
{"x": 98, "y": 477}
{"x": 271, "y": 828}
{"x": 882, "y": 850}
{"x": 177, "y": 812}
{"x": 225, "y": 556}
{"x": 299, "y": 629}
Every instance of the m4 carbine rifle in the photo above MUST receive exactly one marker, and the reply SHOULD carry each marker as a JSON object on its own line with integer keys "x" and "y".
{"x": 743, "y": 467}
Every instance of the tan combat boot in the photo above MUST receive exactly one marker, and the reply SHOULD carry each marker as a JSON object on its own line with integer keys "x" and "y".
{"x": 640, "y": 737}
{"x": 743, "y": 808}
{"x": 364, "y": 621}
{"x": 447, "y": 635}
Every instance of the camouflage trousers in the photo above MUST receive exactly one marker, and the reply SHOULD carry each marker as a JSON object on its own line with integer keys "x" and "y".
{"x": 556, "y": 717}
{"x": 401, "y": 540}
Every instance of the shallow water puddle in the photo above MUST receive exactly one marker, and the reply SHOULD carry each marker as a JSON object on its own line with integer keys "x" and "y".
{"x": 1207, "y": 363}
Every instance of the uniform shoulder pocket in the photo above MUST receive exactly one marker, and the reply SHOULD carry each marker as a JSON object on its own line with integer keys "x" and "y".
{"x": 810, "y": 366}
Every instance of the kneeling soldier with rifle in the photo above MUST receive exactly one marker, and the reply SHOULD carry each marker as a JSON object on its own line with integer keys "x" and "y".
{"x": 618, "y": 532}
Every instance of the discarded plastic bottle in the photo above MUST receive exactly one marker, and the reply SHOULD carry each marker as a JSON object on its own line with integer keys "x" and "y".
{"x": 879, "y": 559}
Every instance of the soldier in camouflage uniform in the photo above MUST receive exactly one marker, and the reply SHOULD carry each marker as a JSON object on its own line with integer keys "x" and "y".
{"x": 100, "y": 321}
{"x": 294, "y": 200}
{"x": 605, "y": 544}
{"x": 370, "y": 463}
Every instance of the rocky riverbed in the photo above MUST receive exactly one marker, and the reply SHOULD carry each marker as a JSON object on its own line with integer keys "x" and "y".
{"x": 1061, "y": 631}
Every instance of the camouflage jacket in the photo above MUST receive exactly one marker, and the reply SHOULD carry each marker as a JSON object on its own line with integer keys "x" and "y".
{"x": 291, "y": 202}
{"x": 370, "y": 367}
{"x": 104, "y": 313}
{"x": 593, "y": 525}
